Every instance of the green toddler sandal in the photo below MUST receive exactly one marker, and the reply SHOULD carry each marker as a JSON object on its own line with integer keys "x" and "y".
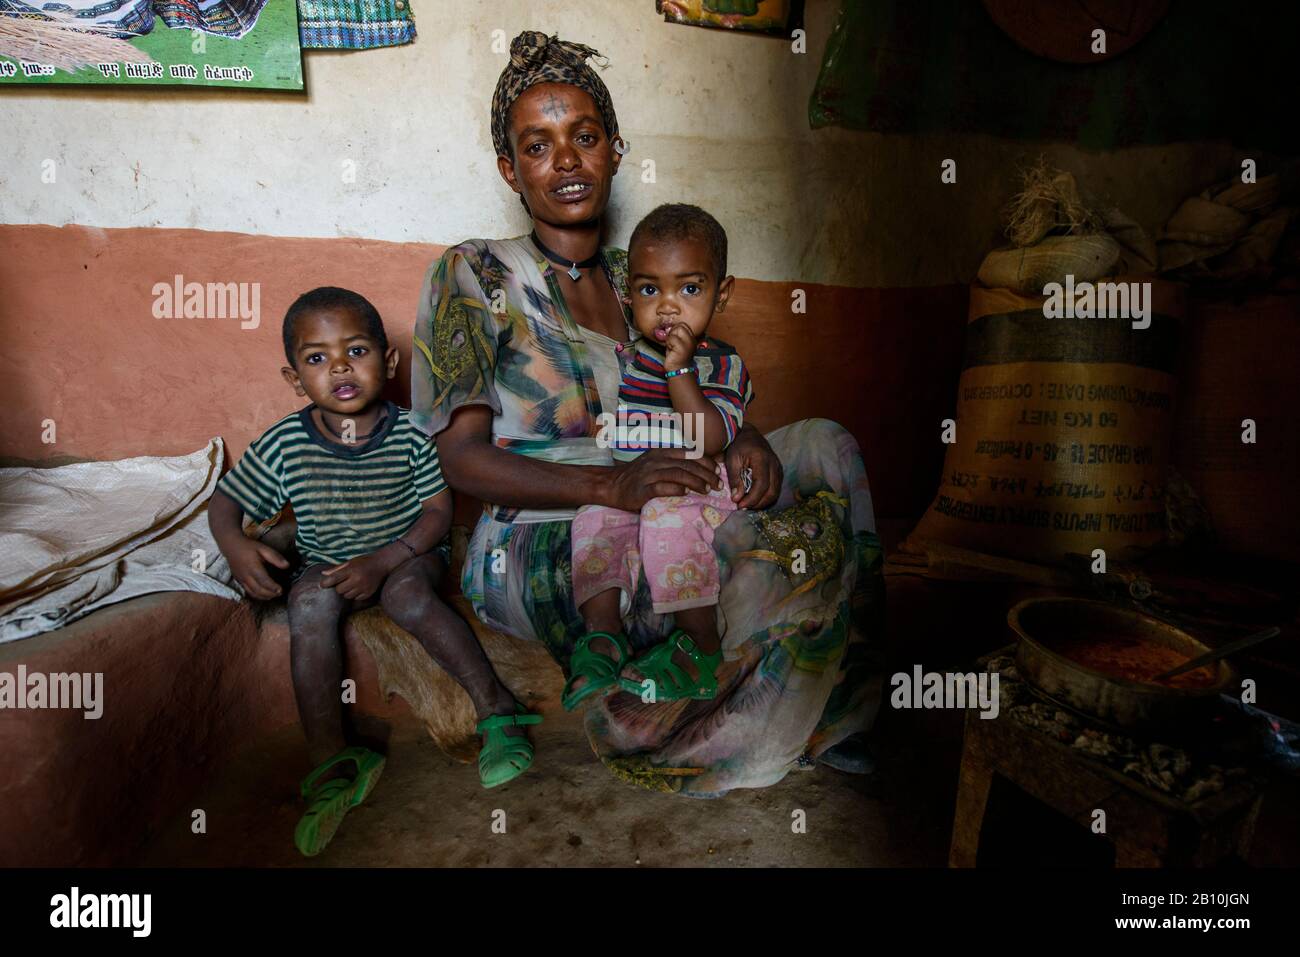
{"x": 329, "y": 802}
{"x": 504, "y": 757}
{"x": 601, "y": 671}
{"x": 672, "y": 682}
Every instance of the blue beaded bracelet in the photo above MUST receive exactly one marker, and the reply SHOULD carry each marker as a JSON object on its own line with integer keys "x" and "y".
{"x": 682, "y": 371}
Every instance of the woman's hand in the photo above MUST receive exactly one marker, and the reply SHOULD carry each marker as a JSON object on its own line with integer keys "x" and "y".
{"x": 658, "y": 473}
{"x": 750, "y": 450}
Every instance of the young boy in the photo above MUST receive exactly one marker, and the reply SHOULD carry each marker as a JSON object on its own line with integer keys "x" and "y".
{"x": 680, "y": 387}
{"x": 371, "y": 508}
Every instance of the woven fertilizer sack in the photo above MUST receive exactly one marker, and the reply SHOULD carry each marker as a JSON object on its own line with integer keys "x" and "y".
{"x": 1063, "y": 425}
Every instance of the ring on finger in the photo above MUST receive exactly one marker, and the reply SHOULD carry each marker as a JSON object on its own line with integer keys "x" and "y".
{"x": 747, "y": 479}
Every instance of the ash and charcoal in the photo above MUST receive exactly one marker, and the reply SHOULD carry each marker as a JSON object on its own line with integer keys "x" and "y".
{"x": 1165, "y": 768}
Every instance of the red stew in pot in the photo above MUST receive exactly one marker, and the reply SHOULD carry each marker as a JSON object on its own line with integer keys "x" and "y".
{"x": 1135, "y": 660}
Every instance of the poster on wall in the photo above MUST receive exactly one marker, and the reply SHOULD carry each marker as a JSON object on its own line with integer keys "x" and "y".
{"x": 213, "y": 43}
{"x": 772, "y": 17}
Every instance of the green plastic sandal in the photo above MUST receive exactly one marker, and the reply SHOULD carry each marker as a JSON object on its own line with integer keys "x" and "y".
{"x": 672, "y": 682}
{"x": 504, "y": 757}
{"x": 601, "y": 671}
{"x": 330, "y": 802}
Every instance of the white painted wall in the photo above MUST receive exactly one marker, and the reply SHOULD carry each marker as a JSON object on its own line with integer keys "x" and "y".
{"x": 724, "y": 117}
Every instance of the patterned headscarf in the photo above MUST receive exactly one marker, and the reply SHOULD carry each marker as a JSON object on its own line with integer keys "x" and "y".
{"x": 537, "y": 58}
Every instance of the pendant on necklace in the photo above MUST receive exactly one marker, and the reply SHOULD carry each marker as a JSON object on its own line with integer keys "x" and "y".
{"x": 573, "y": 273}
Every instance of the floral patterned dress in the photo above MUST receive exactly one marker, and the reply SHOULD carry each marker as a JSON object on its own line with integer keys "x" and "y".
{"x": 802, "y": 588}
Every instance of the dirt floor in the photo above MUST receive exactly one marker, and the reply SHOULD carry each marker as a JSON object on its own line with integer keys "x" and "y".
{"x": 567, "y": 810}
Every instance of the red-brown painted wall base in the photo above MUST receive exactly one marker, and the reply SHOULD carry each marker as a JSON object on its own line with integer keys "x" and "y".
{"x": 187, "y": 680}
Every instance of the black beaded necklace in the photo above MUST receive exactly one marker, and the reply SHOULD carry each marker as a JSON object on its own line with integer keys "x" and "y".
{"x": 559, "y": 260}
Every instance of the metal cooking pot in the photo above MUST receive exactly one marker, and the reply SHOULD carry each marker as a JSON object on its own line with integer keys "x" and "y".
{"x": 1043, "y": 623}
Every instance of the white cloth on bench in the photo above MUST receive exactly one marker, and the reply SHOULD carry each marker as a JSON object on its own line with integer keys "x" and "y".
{"x": 78, "y": 537}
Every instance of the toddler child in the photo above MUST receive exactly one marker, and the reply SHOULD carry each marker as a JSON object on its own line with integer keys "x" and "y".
{"x": 371, "y": 509}
{"x": 676, "y": 377}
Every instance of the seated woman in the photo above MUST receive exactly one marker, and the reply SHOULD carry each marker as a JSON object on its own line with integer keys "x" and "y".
{"x": 518, "y": 346}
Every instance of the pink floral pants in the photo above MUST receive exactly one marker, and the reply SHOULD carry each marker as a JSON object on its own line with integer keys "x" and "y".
{"x": 672, "y": 538}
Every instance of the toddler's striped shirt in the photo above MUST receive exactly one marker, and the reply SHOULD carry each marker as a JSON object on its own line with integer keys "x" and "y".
{"x": 348, "y": 500}
{"x": 645, "y": 410}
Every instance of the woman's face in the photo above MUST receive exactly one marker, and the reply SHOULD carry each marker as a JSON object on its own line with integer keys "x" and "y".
{"x": 564, "y": 162}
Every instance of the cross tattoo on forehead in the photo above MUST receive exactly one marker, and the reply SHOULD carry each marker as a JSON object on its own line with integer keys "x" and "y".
{"x": 554, "y": 108}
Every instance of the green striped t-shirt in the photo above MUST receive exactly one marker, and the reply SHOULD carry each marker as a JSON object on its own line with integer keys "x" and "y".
{"x": 349, "y": 500}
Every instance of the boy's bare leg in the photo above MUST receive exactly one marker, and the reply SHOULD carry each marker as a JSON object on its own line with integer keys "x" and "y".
{"x": 410, "y": 597}
{"x": 316, "y": 656}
